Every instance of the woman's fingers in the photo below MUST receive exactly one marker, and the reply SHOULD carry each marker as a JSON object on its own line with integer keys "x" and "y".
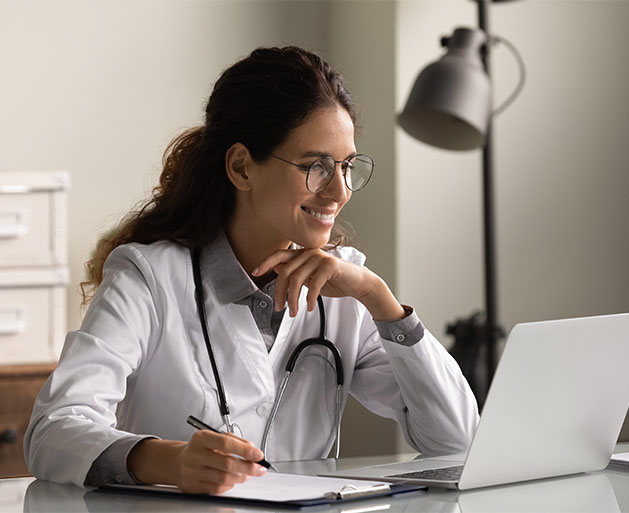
{"x": 313, "y": 268}
{"x": 227, "y": 444}
{"x": 203, "y": 471}
{"x": 214, "y": 462}
{"x": 316, "y": 282}
{"x": 285, "y": 263}
{"x": 274, "y": 259}
{"x": 292, "y": 278}
{"x": 209, "y": 480}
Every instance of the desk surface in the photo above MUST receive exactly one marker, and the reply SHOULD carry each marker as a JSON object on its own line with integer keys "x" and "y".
{"x": 605, "y": 491}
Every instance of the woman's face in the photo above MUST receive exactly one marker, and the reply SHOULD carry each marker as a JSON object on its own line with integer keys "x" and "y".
{"x": 281, "y": 204}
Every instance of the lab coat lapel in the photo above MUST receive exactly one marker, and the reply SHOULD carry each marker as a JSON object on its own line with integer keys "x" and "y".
{"x": 237, "y": 344}
{"x": 286, "y": 331}
{"x": 248, "y": 339}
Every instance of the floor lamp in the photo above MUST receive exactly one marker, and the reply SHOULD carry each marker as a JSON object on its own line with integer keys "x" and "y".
{"x": 450, "y": 106}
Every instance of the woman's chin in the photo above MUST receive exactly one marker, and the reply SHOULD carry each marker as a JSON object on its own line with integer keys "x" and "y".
{"x": 313, "y": 242}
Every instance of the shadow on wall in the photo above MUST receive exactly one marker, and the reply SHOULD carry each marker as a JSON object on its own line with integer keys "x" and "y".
{"x": 365, "y": 434}
{"x": 624, "y": 433}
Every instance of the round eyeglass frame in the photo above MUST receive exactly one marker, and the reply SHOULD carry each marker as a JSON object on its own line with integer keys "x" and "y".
{"x": 344, "y": 166}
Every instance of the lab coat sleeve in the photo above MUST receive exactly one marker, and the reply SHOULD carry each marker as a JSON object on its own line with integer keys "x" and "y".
{"x": 74, "y": 416}
{"x": 420, "y": 386}
{"x": 111, "y": 464}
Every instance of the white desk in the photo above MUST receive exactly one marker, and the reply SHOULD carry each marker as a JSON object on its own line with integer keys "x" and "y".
{"x": 605, "y": 491}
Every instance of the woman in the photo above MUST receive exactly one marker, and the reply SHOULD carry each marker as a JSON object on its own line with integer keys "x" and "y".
{"x": 257, "y": 189}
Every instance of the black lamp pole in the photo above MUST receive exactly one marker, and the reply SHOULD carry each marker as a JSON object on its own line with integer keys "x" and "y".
{"x": 450, "y": 107}
{"x": 474, "y": 334}
{"x": 492, "y": 331}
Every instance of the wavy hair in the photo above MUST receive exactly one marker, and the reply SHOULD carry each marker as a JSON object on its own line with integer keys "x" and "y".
{"x": 256, "y": 102}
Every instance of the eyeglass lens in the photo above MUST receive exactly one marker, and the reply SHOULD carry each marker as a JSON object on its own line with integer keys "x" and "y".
{"x": 357, "y": 171}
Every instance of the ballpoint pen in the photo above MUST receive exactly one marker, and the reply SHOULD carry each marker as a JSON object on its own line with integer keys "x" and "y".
{"x": 199, "y": 424}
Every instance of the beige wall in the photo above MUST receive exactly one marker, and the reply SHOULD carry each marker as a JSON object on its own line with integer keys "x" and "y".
{"x": 361, "y": 44}
{"x": 100, "y": 87}
{"x": 562, "y": 186}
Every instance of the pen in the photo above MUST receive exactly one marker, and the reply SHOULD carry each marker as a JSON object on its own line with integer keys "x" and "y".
{"x": 199, "y": 424}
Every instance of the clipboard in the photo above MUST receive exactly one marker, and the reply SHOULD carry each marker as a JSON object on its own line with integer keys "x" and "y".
{"x": 338, "y": 491}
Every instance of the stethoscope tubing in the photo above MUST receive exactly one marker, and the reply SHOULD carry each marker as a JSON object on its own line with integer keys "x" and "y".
{"x": 200, "y": 300}
{"x": 290, "y": 364}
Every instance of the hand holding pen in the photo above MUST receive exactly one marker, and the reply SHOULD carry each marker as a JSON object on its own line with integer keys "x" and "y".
{"x": 209, "y": 463}
{"x": 199, "y": 424}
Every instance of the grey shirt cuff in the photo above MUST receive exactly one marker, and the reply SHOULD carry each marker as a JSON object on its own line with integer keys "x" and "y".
{"x": 406, "y": 331}
{"x": 111, "y": 464}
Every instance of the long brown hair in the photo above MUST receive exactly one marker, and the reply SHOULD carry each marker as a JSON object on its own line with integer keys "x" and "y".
{"x": 257, "y": 102}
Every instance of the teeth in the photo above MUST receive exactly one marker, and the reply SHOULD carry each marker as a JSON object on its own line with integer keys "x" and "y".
{"x": 325, "y": 217}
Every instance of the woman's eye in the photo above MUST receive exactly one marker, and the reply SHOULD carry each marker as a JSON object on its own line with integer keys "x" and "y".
{"x": 318, "y": 167}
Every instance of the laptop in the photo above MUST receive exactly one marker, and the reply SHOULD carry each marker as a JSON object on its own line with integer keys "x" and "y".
{"x": 555, "y": 407}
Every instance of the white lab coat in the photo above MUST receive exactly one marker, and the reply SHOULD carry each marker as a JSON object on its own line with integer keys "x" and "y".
{"x": 139, "y": 364}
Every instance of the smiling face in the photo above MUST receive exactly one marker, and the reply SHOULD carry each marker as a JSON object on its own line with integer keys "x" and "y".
{"x": 277, "y": 208}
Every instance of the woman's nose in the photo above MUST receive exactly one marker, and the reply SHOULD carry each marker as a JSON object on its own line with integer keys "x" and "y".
{"x": 336, "y": 188}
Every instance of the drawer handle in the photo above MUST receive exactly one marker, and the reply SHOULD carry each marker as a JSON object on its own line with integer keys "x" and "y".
{"x": 8, "y": 436}
{"x": 15, "y": 225}
{"x": 55, "y": 181}
{"x": 12, "y": 320}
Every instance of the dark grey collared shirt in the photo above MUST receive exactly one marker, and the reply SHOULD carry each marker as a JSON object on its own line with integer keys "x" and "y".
{"x": 233, "y": 285}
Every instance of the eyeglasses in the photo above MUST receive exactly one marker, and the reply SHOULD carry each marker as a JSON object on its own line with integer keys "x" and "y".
{"x": 357, "y": 171}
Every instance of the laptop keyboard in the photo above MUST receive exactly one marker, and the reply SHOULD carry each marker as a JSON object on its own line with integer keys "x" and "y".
{"x": 434, "y": 474}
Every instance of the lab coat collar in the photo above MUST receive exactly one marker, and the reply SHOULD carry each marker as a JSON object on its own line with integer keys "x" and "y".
{"x": 231, "y": 282}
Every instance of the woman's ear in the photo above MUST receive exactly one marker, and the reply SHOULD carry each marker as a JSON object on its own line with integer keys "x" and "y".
{"x": 237, "y": 159}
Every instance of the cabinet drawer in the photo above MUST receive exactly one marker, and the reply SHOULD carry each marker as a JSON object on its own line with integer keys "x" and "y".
{"x": 33, "y": 218}
{"x": 32, "y": 315}
{"x": 19, "y": 386}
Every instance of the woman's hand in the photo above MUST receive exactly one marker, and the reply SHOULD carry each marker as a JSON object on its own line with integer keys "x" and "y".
{"x": 209, "y": 463}
{"x": 328, "y": 275}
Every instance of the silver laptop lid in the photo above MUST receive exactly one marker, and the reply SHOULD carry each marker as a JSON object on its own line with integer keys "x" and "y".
{"x": 556, "y": 404}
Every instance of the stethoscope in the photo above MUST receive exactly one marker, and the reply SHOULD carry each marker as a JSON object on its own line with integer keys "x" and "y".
{"x": 290, "y": 365}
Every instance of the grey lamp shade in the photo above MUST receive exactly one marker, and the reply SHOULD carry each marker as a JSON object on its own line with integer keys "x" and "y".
{"x": 450, "y": 103}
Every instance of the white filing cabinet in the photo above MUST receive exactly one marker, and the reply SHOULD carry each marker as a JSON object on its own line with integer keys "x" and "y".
{"x": 34, "y": 269}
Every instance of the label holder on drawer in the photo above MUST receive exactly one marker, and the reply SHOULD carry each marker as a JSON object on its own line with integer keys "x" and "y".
{"x": 14, "y": 223}
{"x": 12, "y": 320}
